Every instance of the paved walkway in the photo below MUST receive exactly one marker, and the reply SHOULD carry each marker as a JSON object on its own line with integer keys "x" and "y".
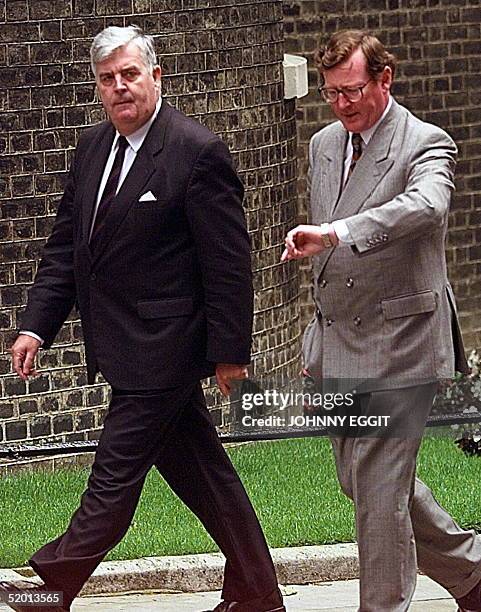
{"x": 325, "y": 597}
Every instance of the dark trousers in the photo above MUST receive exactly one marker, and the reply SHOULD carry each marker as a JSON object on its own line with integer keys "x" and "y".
{"x": 172, "y": 430}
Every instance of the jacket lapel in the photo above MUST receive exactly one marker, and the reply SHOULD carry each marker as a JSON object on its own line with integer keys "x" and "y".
{"x": 138, "y": 175}
{"x": 98, "y": 152}
{"x": 370, "y": 169}
{"x": 332, "y": 168}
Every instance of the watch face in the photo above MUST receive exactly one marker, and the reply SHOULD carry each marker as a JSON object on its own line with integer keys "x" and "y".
{"x": 326, "y": 240}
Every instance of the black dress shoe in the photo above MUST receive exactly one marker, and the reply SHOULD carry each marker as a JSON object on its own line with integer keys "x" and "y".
{"x": 35, "y": 594}
{"x": 239, "y": 606}
{"x": 472, "y": 601}
{"x": 269, "y": 603}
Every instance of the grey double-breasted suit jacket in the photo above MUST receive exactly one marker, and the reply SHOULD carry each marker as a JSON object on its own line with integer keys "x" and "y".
{"x": 385, "y": 309}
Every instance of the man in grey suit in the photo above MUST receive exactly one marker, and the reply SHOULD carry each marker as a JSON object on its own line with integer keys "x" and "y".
{"x": 380, "y": 186}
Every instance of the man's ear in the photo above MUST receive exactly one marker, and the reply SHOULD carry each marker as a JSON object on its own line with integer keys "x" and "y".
{"x": 386, "y": 78}
{"x": 157, "y": 73}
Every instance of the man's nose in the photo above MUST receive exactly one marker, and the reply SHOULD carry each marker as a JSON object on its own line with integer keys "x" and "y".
{"x": 119, "y": 82}
{"x": 342, "y": 101}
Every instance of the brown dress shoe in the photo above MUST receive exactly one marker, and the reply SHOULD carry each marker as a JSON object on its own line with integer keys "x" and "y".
{"x": 472, "y": 601}
{"x": 269, "y": 603}
{"x": 17, "y": 595}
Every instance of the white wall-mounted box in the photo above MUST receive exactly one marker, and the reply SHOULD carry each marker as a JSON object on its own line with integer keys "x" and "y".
{"x": 295, "y": 76}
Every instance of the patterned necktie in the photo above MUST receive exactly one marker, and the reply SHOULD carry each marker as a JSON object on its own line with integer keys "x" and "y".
{"x": 109, "y": 193}
{"x": 356, "y": 153}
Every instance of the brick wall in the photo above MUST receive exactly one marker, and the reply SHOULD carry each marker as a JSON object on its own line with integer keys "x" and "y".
{"x": 222, "y": 63}
{"x": 438, "y": 45}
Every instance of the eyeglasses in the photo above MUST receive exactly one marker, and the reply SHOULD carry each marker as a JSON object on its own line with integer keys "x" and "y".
{"x": 352, "y": 94}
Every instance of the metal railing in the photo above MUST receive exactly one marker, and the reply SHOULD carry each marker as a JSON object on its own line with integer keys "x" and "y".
{"x": 20, "y": 451}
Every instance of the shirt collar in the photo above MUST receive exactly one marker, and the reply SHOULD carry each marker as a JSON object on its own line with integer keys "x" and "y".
{"x": 366, "y": 135}
{"x": 137, "y": 138}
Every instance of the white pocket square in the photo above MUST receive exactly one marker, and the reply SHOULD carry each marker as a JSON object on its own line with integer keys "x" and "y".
{"x": 148, "y": 197}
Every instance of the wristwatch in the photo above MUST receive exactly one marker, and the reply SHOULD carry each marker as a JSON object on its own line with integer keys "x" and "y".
{"x": 328, "y": 236}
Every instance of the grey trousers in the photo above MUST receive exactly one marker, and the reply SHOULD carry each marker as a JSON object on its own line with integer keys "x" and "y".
{"x": 399, "y": 524}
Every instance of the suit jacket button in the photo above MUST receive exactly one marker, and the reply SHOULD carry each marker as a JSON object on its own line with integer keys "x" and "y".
{"x": 357, "y": 320}
{"x": 329, "y": 322}
{"x": 93, "y": 276}
{"x": 349, "y": 282}
{"x": 318, "y": 313}
{"x": 323, "y": 283}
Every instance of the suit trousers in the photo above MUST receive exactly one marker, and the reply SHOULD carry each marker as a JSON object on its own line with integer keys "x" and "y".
{"x": 173, "y": 431}
{"x": 399, "y": 524}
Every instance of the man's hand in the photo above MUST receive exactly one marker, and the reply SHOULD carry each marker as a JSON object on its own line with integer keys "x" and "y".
{"x": 226, "y": 372}
{"x": 24, "y": 351}
{"x": 303, "y": 241}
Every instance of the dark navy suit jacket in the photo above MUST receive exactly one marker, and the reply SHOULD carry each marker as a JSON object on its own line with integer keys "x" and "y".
{"x": 168, "y": 294}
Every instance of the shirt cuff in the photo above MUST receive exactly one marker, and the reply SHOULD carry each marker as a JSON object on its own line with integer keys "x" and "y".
{"x": 342, "y": 232}
{"x": 32, "y": 335}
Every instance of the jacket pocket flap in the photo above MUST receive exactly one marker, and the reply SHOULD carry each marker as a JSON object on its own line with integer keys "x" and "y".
{"x": 168, "y": 307}
{"x": 407, "y": 305}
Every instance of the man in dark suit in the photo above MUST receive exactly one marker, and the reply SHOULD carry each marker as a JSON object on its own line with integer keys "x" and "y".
{"x": 380, "y": 188}
{"x": 150, "y": 242}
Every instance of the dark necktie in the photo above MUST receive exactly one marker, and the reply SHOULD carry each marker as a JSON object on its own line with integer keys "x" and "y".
{"x": 109, "y": 193}
{"x": 356, "y": 153}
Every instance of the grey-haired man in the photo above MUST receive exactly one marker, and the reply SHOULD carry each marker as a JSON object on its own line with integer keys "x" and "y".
{"x": 150, "y": 242}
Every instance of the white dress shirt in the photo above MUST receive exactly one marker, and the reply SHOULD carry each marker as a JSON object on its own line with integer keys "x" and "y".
{"x": 340, "y": 226}
{"x": 135, "y": 141}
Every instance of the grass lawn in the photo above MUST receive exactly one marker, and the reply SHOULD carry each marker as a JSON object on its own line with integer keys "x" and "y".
{"x": 292, "y": 484}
